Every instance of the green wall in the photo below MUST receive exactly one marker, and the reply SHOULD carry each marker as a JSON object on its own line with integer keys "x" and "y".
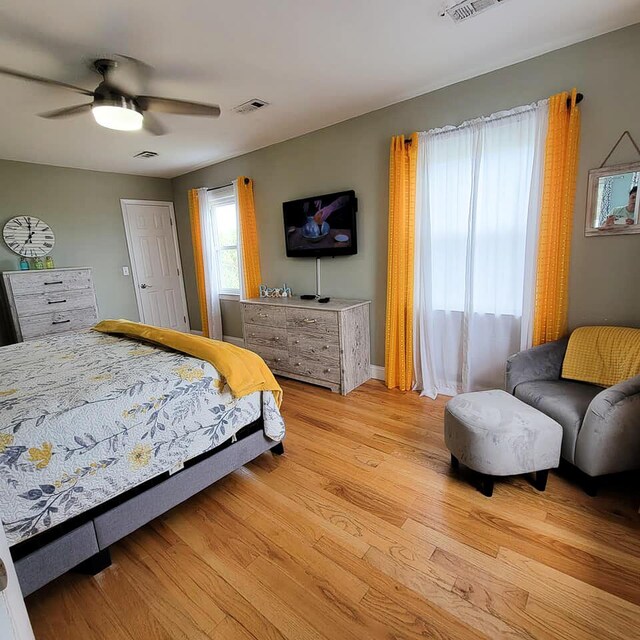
{"x": 354, "y": 155}
{"x": 83, "y": 209}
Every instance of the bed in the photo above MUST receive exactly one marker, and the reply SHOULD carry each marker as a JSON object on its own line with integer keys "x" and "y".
{"x": 100, "y": 434}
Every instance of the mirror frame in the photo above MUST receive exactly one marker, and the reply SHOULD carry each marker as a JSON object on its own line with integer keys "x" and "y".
{"x": 592, "y": 201}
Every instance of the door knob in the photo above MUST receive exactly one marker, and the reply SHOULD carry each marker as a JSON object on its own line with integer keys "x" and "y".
{"x": 3, "y": 576}
{"x": 145, "y": 286}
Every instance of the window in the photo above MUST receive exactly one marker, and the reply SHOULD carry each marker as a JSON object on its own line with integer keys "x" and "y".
{"x": 222, "y": 207}
{"x": 479, "y": 189}
{"x": 477, "y": 207}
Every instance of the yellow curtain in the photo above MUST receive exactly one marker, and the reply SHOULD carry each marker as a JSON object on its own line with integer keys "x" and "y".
{"x": 402, "y": 206}
{"x": 556, "y": 218}
{"x": 196, "y": 238}
{"x": 249, "y": 234}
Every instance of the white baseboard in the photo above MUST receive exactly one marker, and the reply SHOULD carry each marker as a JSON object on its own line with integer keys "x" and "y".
{"x": 377, "y": 372}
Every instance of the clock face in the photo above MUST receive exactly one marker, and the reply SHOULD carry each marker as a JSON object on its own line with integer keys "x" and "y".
{"x": 28, "y": 236}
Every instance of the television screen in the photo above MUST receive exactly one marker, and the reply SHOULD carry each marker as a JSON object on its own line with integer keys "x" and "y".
{"x": 321, "y": 226}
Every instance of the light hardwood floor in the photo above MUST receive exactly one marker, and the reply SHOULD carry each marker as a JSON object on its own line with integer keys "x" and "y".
{"x": 361, "y": 530}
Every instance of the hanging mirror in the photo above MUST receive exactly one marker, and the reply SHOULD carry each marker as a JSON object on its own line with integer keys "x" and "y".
{"x": 612, "y": 202}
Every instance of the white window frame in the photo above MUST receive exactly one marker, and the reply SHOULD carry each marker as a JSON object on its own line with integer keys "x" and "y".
{"x": 219, "y": 198}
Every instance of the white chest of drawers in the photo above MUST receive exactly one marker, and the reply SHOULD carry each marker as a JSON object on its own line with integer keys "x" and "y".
{"x": 50, "y": 301}
{"x": 324, "y": 344}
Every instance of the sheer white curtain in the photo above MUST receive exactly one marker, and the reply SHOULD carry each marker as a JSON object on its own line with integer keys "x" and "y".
{"x": 478, "y": 190}
{"x": 211, "y": 278}
{"x": 243, "y": 293}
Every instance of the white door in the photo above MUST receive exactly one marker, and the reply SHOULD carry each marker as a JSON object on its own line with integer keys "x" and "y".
{"x": 155, "y": 263}
{"x": 14, "y": 621}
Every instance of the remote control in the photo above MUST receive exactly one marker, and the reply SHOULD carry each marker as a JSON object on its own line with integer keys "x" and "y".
{"x": 323, "y": 300}
{"x": 306, "y": 296}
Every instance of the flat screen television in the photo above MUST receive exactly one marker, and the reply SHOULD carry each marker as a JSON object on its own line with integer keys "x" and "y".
{"x": 321, "y": 225}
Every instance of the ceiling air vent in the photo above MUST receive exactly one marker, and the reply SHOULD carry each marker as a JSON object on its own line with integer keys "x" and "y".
{"x": 251, "y": 105}
{"x": 466, "y": 9}
{"x": 146, "y": 154}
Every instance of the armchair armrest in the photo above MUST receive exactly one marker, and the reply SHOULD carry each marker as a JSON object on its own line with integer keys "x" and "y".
{"x": 538, "y": 363}
{"x": 609, "y": 439}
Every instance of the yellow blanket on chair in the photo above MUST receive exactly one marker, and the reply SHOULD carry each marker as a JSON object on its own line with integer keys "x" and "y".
{"x": 244, "y": 371}
{"x": 602, "y": 355}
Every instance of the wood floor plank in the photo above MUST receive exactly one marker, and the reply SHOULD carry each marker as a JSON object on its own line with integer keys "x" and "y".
{"x": 547, "y": 584}
{"x": 389, "y": 597}
{"x": 578, "y": 560}
{"x": 302, "y": 557}
{"x": 132, "y": 606}
{"x": 362, "y": 530}
{"x": 176, "y": 599}
{"x": 55, "y": 613}
{"x": 230, "y": 629}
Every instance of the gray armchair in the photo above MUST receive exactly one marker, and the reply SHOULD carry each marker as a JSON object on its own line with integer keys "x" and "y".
{"x": 601, "y": 426}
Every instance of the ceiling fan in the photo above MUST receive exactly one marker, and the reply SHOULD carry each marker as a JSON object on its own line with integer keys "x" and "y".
{"x": 114, "y": 106}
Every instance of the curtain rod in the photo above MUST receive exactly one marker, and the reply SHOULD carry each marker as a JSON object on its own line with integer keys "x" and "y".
{"x": 579, "y": 99}
{"x": 224, "y": 186}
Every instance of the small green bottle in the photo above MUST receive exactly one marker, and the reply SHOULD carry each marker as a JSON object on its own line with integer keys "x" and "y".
{"x": 38, "y": 264}
{"x": 48, "y": 263}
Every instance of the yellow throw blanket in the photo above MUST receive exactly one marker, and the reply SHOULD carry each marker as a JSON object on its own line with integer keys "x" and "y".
{"x": 602, "y": 355}
{"x": 244, "y": 371}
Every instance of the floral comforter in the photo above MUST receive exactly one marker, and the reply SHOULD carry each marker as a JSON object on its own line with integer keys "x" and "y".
{"x": 85, "y": 416}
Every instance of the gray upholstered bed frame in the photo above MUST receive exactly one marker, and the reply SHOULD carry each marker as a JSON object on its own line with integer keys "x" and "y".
{"x": 85, "y": 545}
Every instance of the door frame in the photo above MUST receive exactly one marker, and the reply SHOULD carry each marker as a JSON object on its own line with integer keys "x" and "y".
{"x": 132, "y": 261}
{"x": 11, "y": 601}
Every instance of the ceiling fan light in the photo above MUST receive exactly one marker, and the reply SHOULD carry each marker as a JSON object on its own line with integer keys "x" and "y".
{"x": 120, "y": 117}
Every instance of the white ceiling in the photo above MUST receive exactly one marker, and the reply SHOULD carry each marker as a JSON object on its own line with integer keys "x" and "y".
{"x": 317, "y": 61}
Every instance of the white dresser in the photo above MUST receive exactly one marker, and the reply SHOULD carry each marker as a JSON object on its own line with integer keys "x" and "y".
{"x": 324, "y": 344}
{"x": 50, "y": 301}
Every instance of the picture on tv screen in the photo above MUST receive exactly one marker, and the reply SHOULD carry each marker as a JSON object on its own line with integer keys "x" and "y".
{"x": 321, "y": 225}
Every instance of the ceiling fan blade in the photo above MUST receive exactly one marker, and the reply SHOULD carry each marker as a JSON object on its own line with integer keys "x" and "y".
{"x": 55, "y": 83}
{"x": 127, "y": 75}
{"x": 181, "y": 107}
{"x": 151, "y": 124}
{"x": 142, "y": 72}
{"x": 66, "y": 111}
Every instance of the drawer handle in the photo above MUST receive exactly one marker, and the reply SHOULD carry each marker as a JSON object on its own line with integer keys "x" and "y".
{"x": 277, "y": 338}
{"x": 298, "y": 364}
{"x": 56, "y": 282}
{"x": 326, "y": 346}
{"x": 55, "y": 301}
{"x": 253, "y": 335}
{"x": 296, "y": 342}
{"x": 278, "y": 359}
{"x": 327, "y": 370}
{"x": 60, "y": 321}
{"x": 263, "y": 315}
{"x": 310, "y": 320}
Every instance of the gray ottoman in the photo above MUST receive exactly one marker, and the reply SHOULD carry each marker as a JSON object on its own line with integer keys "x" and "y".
{"x": 495, "y": 434}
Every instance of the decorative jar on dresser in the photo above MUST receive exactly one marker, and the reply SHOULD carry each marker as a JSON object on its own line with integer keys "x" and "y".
{"x": 50, "y": 301}
{"x": 324, "y": 344}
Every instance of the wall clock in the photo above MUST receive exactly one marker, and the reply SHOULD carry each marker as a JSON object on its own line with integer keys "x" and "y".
{"x": 28, "y": 236}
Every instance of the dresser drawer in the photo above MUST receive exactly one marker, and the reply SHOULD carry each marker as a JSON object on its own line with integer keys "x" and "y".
{"x": 258, "y": 335}
{"x": 304, "y": 342}
{"x": 54, "y": 301}
{"x": 45, "y": 282}
{"x": 275, "y": 358}
{"x": 57, "y": 322}
{"x": 319, "y": 370}
{"x": 312, "y": 320}
{"x": 264, "y": 314}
